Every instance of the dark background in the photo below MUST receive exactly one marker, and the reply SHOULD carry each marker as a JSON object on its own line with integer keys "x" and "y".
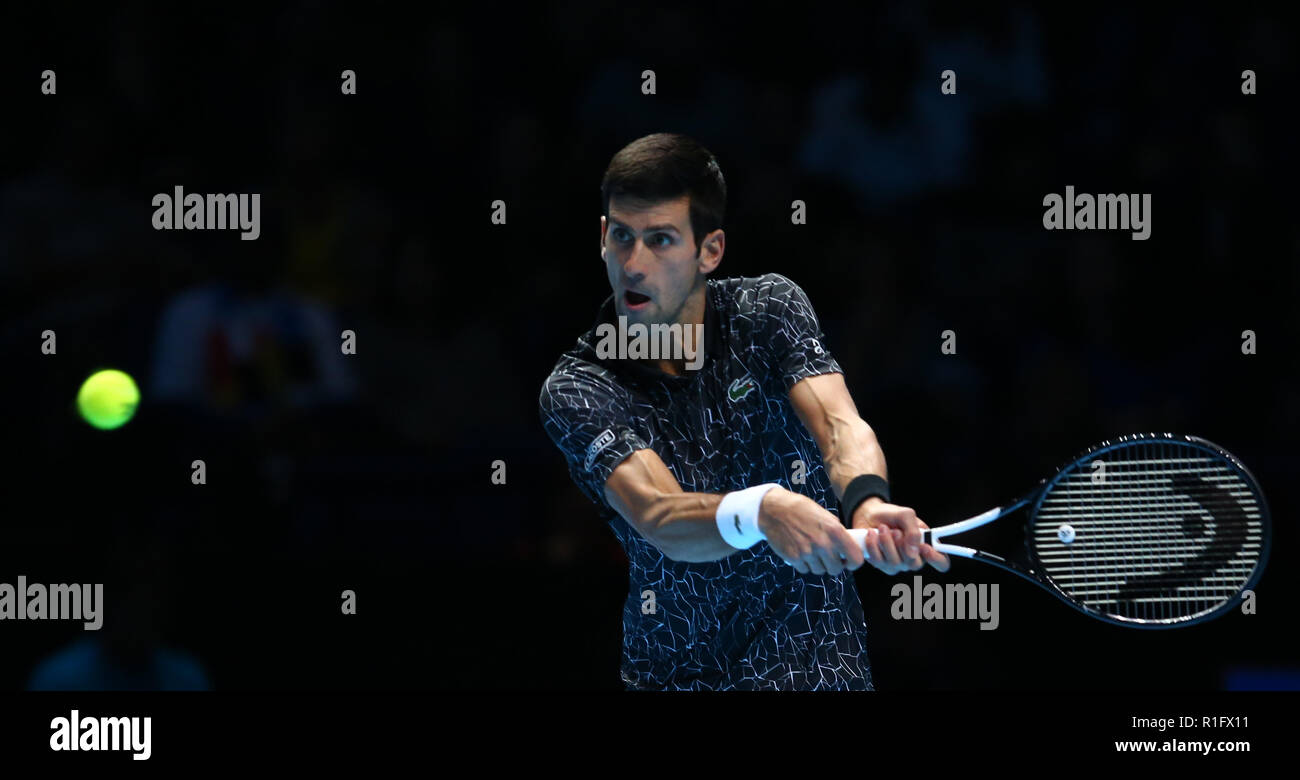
{"x": 372, "y": 472}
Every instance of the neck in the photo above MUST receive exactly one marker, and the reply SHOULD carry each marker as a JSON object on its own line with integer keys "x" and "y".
{"x": 691, "y": 319}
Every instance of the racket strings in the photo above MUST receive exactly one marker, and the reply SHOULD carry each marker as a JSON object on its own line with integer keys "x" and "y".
{"x": 1162, "y": 531}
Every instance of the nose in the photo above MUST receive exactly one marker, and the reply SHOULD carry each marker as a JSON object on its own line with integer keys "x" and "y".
{"x": 634, "y": 264}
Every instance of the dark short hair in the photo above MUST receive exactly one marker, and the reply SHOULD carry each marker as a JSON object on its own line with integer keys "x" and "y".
{"x": 666, "y": 166}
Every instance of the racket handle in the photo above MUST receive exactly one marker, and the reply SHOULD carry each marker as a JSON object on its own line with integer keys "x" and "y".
{"x": 860, "y": 536}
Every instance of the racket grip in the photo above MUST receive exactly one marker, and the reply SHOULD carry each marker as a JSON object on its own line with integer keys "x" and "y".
{"x": 860, "y": 536}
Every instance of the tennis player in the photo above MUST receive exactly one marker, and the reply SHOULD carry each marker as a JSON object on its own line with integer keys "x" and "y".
{"x": 717, "y": 469}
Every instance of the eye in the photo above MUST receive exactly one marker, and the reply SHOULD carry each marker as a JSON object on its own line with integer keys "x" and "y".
{"x": 620, "y": 235}
{"x": 667, "y": 240}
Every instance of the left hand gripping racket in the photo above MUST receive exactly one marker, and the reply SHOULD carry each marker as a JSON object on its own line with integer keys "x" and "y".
{"x": 1146, "y": 531}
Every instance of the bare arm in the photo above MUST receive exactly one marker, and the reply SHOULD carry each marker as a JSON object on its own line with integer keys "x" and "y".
{"x": 847, "y": 443}
{"x": 684, "y": 527}
{"x": 849, "y": 448}
{"x": 680, "y": 524}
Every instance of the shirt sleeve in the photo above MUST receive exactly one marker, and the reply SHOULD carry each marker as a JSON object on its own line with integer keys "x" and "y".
{"x": 793, "y": 335}
{"x": 589, "y": 418}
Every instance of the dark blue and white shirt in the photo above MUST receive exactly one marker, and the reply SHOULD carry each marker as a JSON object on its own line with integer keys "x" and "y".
{"x": 748, "y": 621}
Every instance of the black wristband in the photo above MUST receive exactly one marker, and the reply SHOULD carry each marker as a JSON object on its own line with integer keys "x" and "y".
{"x": 861, "y": 488}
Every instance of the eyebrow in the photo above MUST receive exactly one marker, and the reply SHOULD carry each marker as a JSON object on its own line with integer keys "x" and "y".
{"x": 664, "y": 227}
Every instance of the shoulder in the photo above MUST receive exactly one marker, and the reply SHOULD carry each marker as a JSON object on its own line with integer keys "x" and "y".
{"x": 577, "y": 380}
{"x": 748, "y": 293}
{"x": 754, "y": 305}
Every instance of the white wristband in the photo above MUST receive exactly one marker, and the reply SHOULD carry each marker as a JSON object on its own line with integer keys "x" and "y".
{"x": 737, "y": 516}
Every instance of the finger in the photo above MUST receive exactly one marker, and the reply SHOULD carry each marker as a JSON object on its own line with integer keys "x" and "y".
{"x": 876, "y": 551}
{"x": 904, "y": 562}
{"x": 830, "y": 559}
{"x": 909, "y": 524}
{"x": 795, "y": 562}
{"x": 872, "y": 546}
{"x": 910, "y": 562}
{"x": 915, "y": 562}
{"x": 813, "y": 561}
{"x": 935, "y": 558}
{"x": 889, "y": 552}
{"x": 848, "y": 549}
{"x": 921, "y": 527}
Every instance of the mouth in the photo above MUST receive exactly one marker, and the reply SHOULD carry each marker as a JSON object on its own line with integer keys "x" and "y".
{"x": 635, "y": 300}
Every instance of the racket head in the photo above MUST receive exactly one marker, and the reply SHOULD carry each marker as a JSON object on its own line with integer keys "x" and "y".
{"x": 1167, "y": 533}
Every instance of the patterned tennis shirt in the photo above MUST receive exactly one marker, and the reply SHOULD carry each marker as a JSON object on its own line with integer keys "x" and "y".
{"x": 748, "y": 621}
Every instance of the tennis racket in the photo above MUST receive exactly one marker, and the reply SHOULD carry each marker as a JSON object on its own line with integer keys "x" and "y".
{"x": 1146, "y": 531}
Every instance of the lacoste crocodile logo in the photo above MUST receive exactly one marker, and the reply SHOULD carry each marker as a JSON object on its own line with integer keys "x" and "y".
{"x": 741, "y": 388}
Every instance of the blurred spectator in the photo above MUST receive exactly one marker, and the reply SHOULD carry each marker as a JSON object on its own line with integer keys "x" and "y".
{"x": 128, "y": 652}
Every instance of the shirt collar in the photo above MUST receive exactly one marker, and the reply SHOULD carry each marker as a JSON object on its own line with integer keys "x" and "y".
{"x": 713, "y": 347}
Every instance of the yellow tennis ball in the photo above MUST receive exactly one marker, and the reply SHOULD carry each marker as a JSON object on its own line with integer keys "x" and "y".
{"x": 108, "y": 399}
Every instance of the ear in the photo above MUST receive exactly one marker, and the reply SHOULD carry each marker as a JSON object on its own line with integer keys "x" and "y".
{"x": 603, "y": 227}
{"x": 711, "y": 250}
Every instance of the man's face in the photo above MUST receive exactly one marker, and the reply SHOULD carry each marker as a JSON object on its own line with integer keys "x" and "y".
{"x": 650, "y": 258}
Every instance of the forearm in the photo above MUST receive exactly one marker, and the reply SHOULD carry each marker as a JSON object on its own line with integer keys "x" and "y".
{"x": 852, "y": 451}
{"x": 848, "y": 445}
{"x": 684, "y": 526}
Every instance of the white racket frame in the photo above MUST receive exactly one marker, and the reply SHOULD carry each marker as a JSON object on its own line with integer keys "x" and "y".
{"x": 932, "y": 536}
